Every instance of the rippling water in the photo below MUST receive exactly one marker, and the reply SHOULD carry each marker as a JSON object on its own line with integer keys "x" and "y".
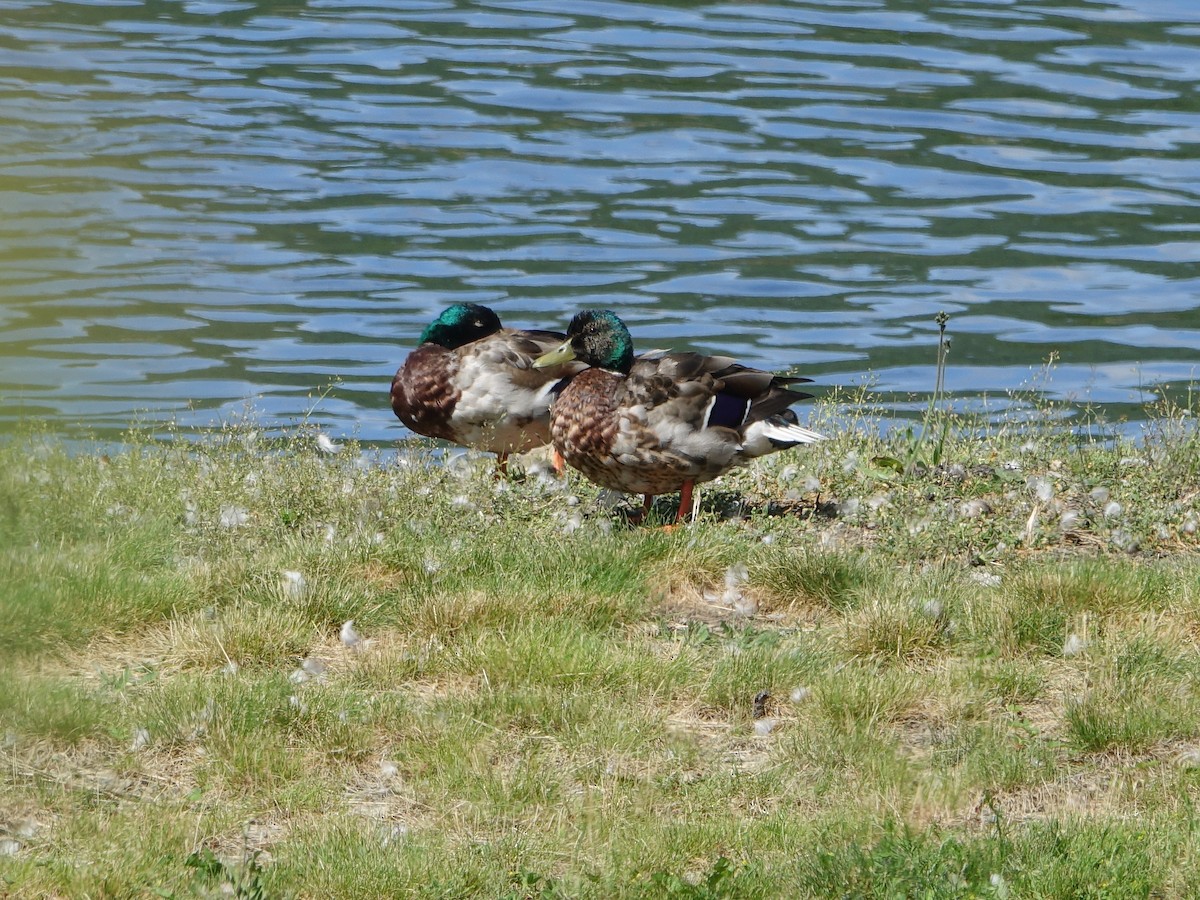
{"x": 215, "y": 206}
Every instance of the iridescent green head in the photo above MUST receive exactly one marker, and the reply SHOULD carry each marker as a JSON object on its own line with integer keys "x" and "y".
{"x": 461, "y": 324}
{"x": 599, "y": 338}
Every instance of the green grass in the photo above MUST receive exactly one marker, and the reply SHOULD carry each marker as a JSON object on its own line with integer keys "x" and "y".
{"x": 928, "y": 687}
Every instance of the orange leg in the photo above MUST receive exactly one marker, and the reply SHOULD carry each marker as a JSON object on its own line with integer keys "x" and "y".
{"x": 685, "y": 501}
{"x": 557, "y": 461}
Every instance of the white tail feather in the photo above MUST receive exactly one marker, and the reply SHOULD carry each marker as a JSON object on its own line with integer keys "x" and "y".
{"x": 762, "y": 438}
{"x": 790, "y": 434}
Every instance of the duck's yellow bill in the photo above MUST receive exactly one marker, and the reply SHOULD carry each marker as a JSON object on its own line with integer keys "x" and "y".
{"x": 563, "y": 353}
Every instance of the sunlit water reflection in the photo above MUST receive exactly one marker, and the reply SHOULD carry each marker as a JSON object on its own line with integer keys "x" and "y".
{"x": 219, "y": 206}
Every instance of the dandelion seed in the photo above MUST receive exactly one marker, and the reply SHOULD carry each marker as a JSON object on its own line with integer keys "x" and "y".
{"x": 1190, "y": 759}
{"x": 736, "y": 575}
{"x": 431, "y": 565}
{"x": 1133, "y": 461}
{"x": 388, "y": 769}
{"x": 788, "y": 473}
{"x": 800, "y": 694}
{"x": 1099, "y": 495}
{"x": 1070, "y": 520}
{"x": 986, "y": 579}
{"x": 1190, "y": 525}
{"x": 850, "y": 507}
{"x": 1123, "y": 540}
{"x": 462, "y": 501}
{"x": 27, "y": 828}
{"x": 350, "y": 637}
{"x": 850, "y": 463}
{"x": 878, "y": 502}
{"x": 396, "y": 834}
{"x": 1042, "y": 488}
{"x": 293, "y": 585}
{"x": 231, "y": 667}
{"x": 1113, "y": 509}
{"x": 299, "y": 676}
{"x": 297, "y": 704}
{"x": 763, "y": 727}
{"x": 932, "y": 608}
{"x": 1013, "y": 465}
{"x": 768, "y": 539}
{"x": 573, "y": 523}
{"x": 1074, "y": 645}
{"x": 141, "y": 738}
{"x": 812, "y": 484}
{"x": 608, "y": 499}
{"x": 973, "y": 509}
{"x": 999, "y": 885}
{"x": 313, "y": 666}
{"x": 9, "y": 847}
{"x": 233, "y": 516}
{"x": 744, "y": 605}
{"x": 572, "y": 500}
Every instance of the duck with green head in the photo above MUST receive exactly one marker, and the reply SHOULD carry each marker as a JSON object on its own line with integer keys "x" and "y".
{"x": 472, "y": 381}
{"x": 663, "y": 422}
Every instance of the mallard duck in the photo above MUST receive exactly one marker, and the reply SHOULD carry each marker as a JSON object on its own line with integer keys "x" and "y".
{"x": 664, "y": 421}
{"x": 472, "y": 381}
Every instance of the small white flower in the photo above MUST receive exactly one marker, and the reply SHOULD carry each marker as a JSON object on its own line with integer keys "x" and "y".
{"x": 350, "y": 637}
{"x": 326, "y": 445}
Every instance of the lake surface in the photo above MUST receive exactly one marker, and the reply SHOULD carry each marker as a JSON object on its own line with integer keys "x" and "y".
{"x": 217, "y": 207}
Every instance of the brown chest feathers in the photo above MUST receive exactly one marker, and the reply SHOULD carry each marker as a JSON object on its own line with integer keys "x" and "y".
{"x": 423, "y": 392}
{"x": 582, "y": 422}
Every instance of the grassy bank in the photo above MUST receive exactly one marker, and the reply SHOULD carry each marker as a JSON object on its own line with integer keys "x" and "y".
{"x": 958, "y": 666}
